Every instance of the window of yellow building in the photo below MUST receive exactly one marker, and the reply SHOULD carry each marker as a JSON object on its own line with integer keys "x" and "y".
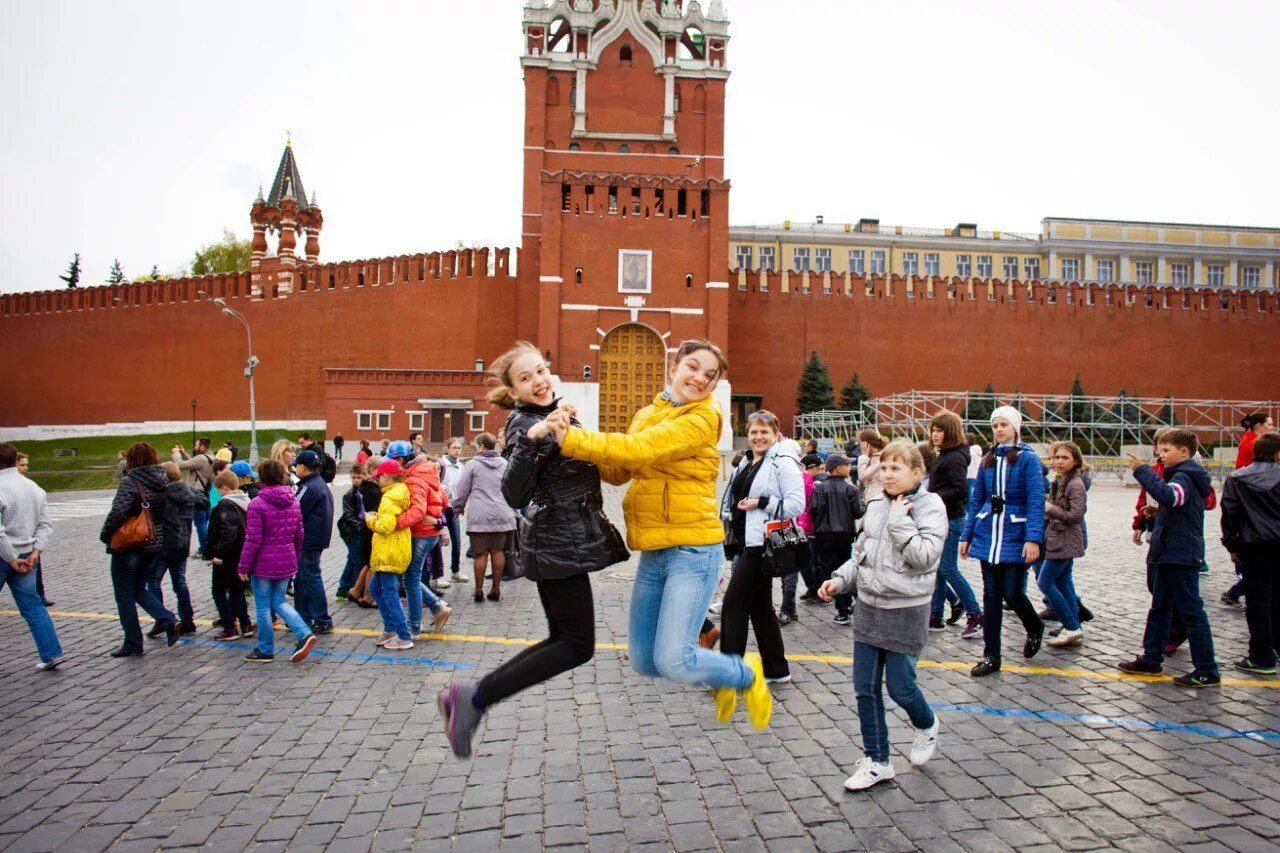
{"x": 800, "y": 259}
{"x": 910, "y": 263}
{"x": 1031, "y": 269}
{"x": 877, "y": 262}
{"x": 1011, "y": 266}
{"x": 1106, "y": 270}
{"x": 932, "y": 264}
{"x": 767, "y": 258}
{"x": 1250, "y": 276}
{"x": 744, "y": 257}
{"x": 1142, "y": 272}
{"x": 964, "y": 265}
{"x": 1181, "y": 274}
{"x": 1071, "y": 269}
{"x": 857, "y": 261}
{"x": 984, "y": 266}
{"x": 1216, "y": 275}
{"x": 822, "y": 260}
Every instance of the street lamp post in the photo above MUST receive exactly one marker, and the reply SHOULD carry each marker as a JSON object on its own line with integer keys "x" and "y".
{"x": 249, "y": 365}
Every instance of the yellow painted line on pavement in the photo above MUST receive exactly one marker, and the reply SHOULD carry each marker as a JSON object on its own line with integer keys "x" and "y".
{"x": 1052, "y": 671}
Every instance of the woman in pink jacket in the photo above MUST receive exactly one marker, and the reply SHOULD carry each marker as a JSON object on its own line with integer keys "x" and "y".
{"x": 272, "y": 544}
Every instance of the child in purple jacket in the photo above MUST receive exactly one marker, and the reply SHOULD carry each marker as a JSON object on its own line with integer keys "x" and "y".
{"x": 272, "y": 543}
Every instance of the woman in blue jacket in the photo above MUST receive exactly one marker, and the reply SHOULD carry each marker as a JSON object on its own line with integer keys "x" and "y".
{"x": 1004, "y": 529}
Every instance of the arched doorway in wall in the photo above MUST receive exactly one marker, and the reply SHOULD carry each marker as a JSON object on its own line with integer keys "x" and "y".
{"x": 633, "y": 361}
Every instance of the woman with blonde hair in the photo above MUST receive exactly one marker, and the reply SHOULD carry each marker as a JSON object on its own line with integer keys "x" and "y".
{"x": 284, "y": 451}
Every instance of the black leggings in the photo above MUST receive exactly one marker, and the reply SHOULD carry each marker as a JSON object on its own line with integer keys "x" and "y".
{"x": 749, "y": 598}
{"x": 571, "y": 618}
{"x": 1005, "y": 581}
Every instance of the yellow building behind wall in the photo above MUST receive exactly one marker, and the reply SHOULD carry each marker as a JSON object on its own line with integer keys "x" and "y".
{"x": 1095, "y": 250}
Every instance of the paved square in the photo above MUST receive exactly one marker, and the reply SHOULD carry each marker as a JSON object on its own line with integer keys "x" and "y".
{"x": 192, "y": 747}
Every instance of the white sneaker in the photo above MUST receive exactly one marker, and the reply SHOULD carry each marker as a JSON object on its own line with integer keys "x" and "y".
{"x": 868, "y": 773}
{"x": 925, "y": 743}
{"x": 46, "y": 665}
{"x": 714, "y": 609}
{"x": 442, "y": 583}
{"x": 1066, "y": 638}
{"x": 395, "y": 644}
{"x": 779, "y": 679}
{"x": 460, "y": 578}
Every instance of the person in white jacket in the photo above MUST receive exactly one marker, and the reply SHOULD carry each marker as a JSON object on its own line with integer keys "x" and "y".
{"x": 767, "y": 485}
{"x": 24, "y": 533}
{"x": 893, "y": 568}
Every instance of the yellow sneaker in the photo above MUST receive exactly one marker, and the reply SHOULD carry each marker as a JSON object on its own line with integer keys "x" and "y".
{"x": 758, "y": 698}
{"x": 726, "y": 703}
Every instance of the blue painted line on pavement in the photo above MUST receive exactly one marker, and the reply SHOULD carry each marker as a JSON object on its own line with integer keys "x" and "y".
{"x": 359, "y": 657}
{"x": 1131, "y": 723}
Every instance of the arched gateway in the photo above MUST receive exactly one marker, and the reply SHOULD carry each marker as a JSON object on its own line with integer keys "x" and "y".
{"x": 632, "y": 369}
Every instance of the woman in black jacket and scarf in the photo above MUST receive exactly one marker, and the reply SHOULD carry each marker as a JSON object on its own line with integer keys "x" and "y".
{"x": 143, "y": 482}
{"x": 948, "y": 479}
{"x": 564, "y": 536}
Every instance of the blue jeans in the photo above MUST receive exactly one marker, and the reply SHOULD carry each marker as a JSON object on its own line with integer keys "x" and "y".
{"x": 268, "y": 596}
{"x": 176, "y": 565}
{"x": 949, "y": 574}
{"x": 1178, "y": 588}
{"x": 871, "y": 667}
{"x": 669, "y": 600}
{"x": 355, "y": 562}
{"x": 415, "y": 591}
{"x": 1060, "y": 591}
{"x": 23, "y": 587}
{"x": 455, "y": 540}
{"x": 308, "y": 590}
{"x": 383, "y": 587}
{"x": 130, "y": 572}
{"x": 200, "y": 518}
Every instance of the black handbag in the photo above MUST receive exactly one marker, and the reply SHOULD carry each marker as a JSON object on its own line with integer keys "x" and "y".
{"x": 786, "y": 550}
{"x": 513, "y": 560}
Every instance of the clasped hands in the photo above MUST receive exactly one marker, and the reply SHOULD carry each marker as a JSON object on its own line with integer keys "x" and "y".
{"x": 25, "y": 564}
{"x": 556, "y": 424}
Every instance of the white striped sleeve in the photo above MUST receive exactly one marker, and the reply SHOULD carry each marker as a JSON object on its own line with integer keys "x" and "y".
{"x": 1179, "y": 494}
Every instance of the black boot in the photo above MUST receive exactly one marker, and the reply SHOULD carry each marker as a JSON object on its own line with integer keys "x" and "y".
{"x": 126, "y": 652}
{"x": 986, "y": 666}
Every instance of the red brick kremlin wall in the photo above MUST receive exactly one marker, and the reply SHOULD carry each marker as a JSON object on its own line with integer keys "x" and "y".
{"x": 1016, "y": 336}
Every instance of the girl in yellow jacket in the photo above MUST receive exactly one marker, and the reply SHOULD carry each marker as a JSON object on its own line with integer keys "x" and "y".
{"x": 670, "y": 457}
{"x": 392, "y": 550}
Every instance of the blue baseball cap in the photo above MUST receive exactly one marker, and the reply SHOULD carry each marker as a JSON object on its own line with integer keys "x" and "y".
{"x": 308, "y": 458}
{"x": 399, "y": 450}
{"x": 242, "y": 469}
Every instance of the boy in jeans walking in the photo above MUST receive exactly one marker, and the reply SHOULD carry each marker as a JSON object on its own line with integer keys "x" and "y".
{"x": 1174, "y": 558}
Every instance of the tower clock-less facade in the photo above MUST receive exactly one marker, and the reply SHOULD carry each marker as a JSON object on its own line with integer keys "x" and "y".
{"x": 626, "y": 208}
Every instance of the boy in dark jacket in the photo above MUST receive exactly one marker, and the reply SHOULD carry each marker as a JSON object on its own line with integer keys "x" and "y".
{"x": 363, "y": 498}
{"x": 226, "y": 539}
{"x": 316, "y": 502}
{"x": 1174, "y": 558}
{"x": 834, "y": 508}
{"x": 181, "y": 503}
{"x": 1251, "y": 532}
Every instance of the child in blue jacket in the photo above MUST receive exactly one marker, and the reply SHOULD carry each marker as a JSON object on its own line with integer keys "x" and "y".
{"x": 1174, "y": 558}
{"x": 1004, "y": 529}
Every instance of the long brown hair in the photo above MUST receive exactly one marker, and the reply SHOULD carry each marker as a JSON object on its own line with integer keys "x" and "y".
{"x": 1060, "y": 483}
{"x": 500, "y": 393}
{"x": 951, "y": 426}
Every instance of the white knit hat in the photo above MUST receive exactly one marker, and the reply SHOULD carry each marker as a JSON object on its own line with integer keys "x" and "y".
{"x": 1010, "y": 414}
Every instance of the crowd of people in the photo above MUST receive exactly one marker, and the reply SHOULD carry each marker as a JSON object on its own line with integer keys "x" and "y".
{"x": 878, "y": 530}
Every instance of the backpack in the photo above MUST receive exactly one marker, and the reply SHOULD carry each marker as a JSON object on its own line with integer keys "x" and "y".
{"x": 328, "y": 468}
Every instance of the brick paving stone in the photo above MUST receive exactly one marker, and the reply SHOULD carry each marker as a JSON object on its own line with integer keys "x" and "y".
{"x": 342, "y": 754}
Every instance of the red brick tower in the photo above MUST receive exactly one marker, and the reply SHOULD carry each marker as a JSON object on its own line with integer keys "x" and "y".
{"x": 625, "y": 226}
{"x": 286, "y": 211}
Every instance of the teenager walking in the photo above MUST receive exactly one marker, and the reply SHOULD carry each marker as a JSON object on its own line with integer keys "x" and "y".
{"x": 1251, "y": 531}
{"x": 948, "y": 479}
{"x": 1064, "y": 542}
{"x": 1004, "y": 529}
{"x": 564, "y": 537}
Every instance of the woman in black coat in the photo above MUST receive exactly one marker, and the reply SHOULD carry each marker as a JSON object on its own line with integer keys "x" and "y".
{"x": 563, "y": 537}
{"x": 948, "y": 479}
{"x": 143, "y": 483}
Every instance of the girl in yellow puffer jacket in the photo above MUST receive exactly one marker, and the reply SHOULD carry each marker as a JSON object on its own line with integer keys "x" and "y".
{"x": 670, "y": 455}
{"x": 392, "y": 550}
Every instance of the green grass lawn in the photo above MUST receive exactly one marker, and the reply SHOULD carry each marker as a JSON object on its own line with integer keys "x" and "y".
{"x": 94, "y": 463}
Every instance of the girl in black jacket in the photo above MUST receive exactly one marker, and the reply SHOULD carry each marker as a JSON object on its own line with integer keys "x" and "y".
{"x": 143, "y": 484}
{"x": 948, "y": 479}
{"x": 563, "y": 537}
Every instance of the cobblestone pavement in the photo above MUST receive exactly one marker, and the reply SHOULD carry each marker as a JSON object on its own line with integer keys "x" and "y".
{"x": 191, "y": 747}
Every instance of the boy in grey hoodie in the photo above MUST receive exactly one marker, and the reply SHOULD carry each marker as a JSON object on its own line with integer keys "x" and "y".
{"x": 894, "y": 566}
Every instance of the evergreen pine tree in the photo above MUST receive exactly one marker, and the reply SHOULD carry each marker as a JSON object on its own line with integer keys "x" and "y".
{"x": 815, "y": 391}
{"x": 854, "y": 394}
{"x": 116, "y": 275}
{"x": 980, "y": 405}
{"x": 72, "y": 278}
{"x": 1081, "y": 410}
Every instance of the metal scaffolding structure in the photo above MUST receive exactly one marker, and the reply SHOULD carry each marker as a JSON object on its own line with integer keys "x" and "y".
{"x": 1101, "y": 426}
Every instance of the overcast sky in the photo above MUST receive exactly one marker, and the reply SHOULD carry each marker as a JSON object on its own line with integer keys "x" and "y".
{"x": 140, "y": 130}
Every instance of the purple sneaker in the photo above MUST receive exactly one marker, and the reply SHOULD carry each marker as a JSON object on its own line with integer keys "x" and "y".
{"x": 463, "y": 718}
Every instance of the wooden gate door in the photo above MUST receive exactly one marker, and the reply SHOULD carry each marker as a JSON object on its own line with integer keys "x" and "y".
{"x": 633, "y": 362}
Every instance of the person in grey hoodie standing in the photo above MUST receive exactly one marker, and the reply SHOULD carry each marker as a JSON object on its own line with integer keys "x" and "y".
{"x": 490, "y": 520}
{"x": 894, "y": 567}
{"x": 24, "y": 534}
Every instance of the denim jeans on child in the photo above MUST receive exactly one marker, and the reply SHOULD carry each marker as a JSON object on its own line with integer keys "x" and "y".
{"x": 268, "y": 596}
{"x": 1055, "y": 580}
{"x": 1178, "y": 588}
{"x": 383, "y": 586}
{"x": 130, "y": 572}
{"x": 308, "y": 590}
{"x": 871, "y": 667}
{"x": 669, "y": 600}
{"x": 175, "y": 564}
{"x": 200, "y": 518}
{"x": 949, "y": 574}
{"x": 355, "y": 562}
{"x": 23, "y": 587}
{"x": 415, "y": 592}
